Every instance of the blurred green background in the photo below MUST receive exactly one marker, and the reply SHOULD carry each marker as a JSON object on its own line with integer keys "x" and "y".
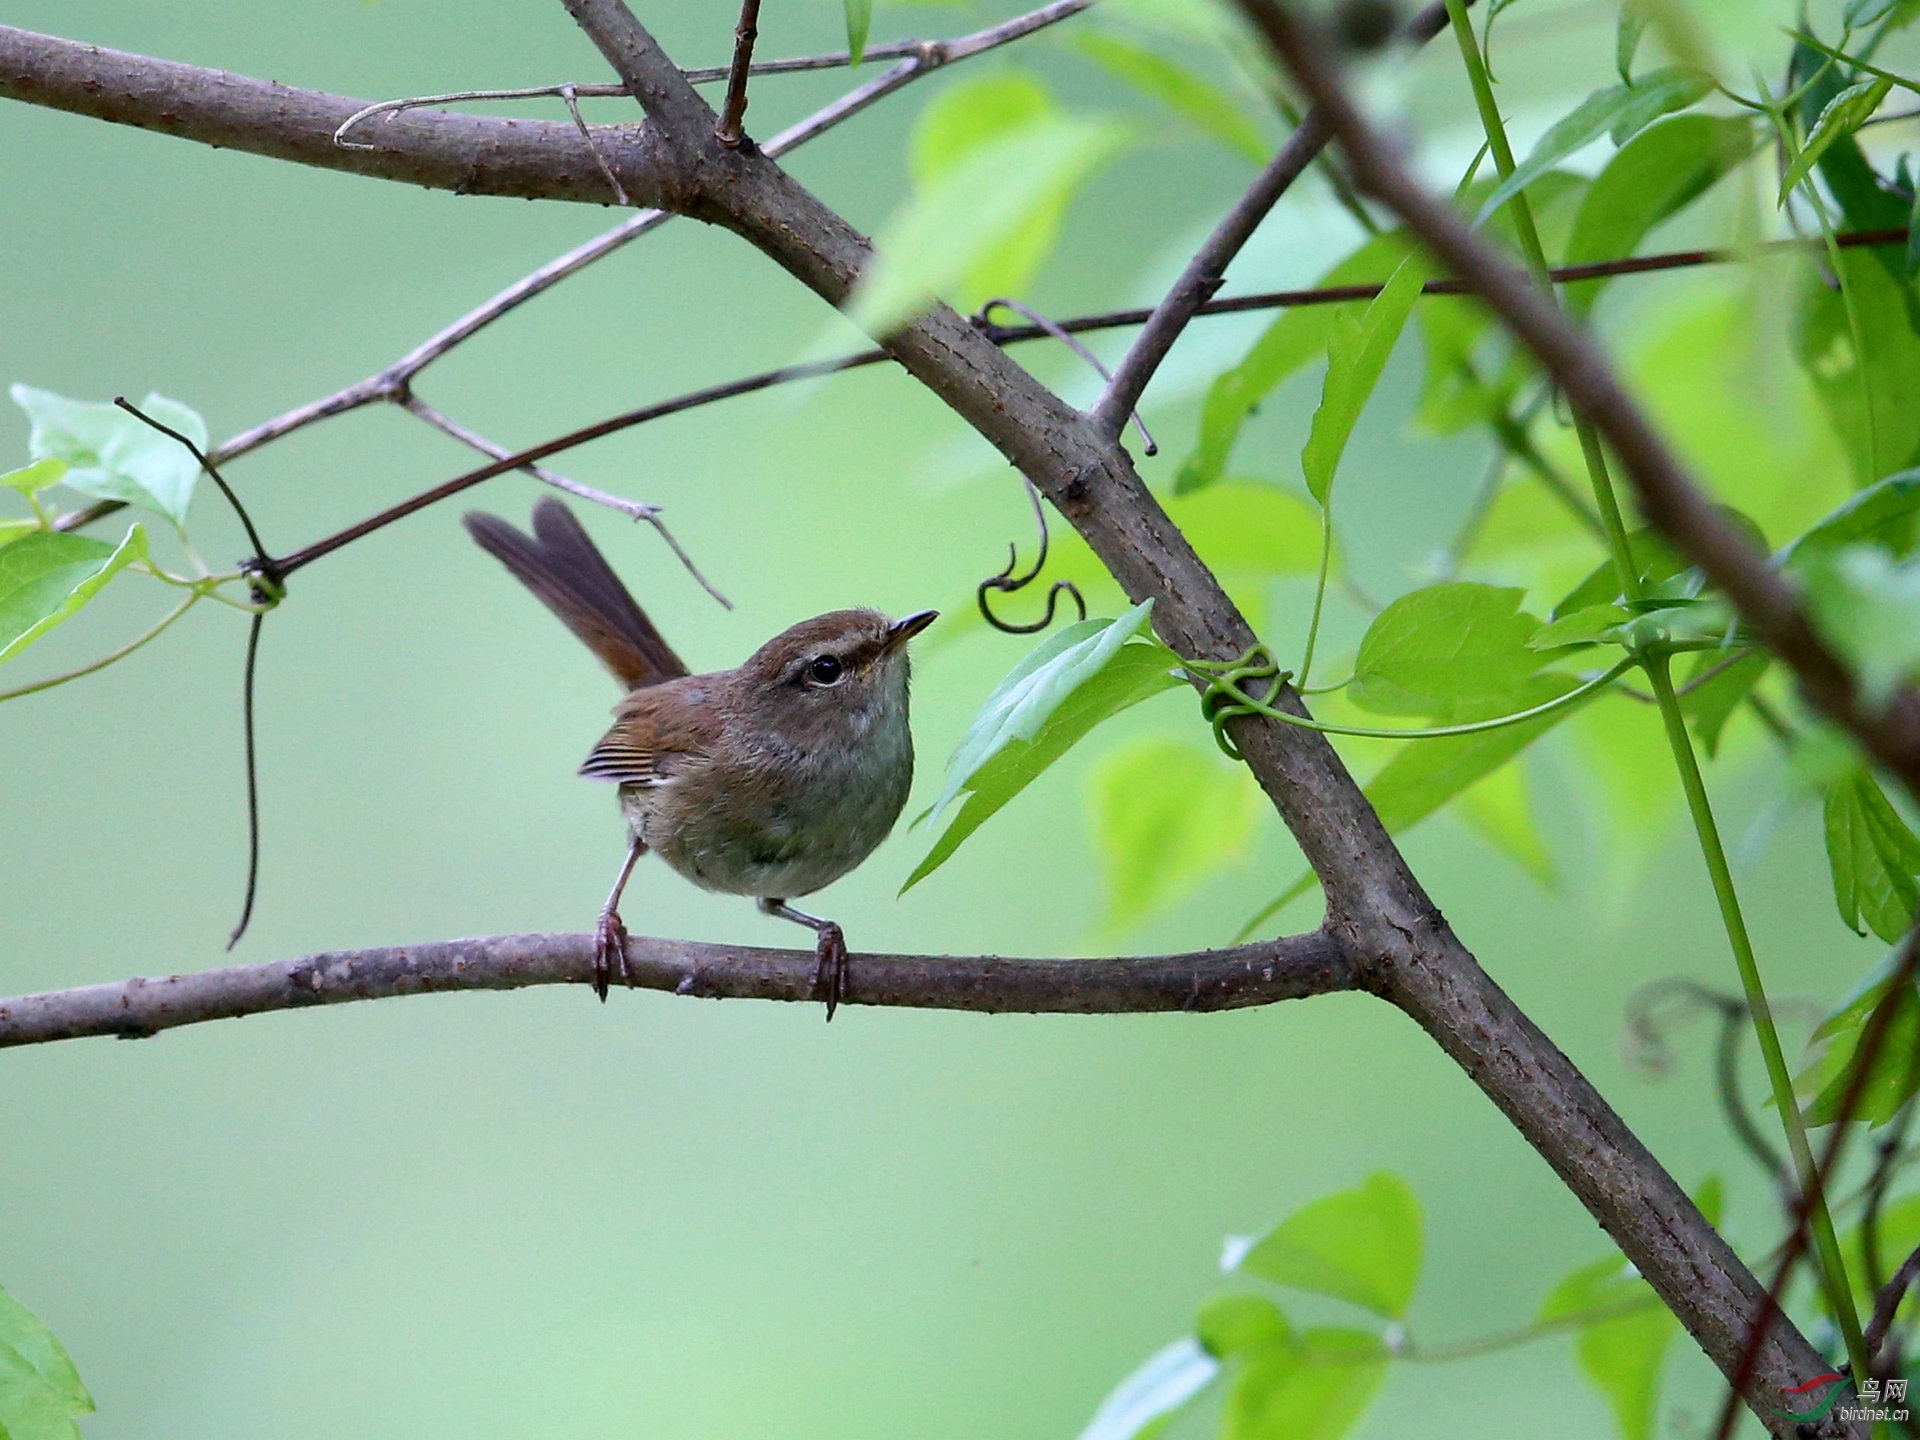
{"x": 530, "y": 1215}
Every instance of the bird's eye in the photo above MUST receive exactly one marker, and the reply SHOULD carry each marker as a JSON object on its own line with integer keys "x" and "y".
{"x": 825, "y": 670}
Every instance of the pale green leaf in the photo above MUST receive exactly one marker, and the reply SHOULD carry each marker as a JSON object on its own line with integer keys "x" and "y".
{"x": 1140, "y": 1405}
{"x": 11, "y": 530}
{"x": 1360, "y": 1245}
{"x": 1626, "y": 44}
{"x": 1204, "y": 105}
{"x": 1623, "y": 110}
{"x": 1710, "y": 703}
{"x": 1622, "y": 1354}
{"x": 1238, "y": 1324}
{"x": 111, "y": 455}
{"x": 1249, "y": 527}
{"x": 1867, "y": 605}
{"x": 1658, "y": 173}
{"x": 1829, "y": 1074}
{"x": 40, "y": 1391}
{"x": 1435, "y": 648}
{"x": 35, "y": 477}
{"x": 1290, "y": 340}
{"x": 1501, "y": 811}
{"x": 1843, "y": 115}
{"x": 46, "y": 577}
{"x": 1357, "y": 352}
{"x": 1315, "y": 1389}
{"x": 975, "y": 112}
{"x": 1071, "y": 682}
{"x": 859, "y": 15}
{"x": 1874, "y": 857}
{"x": 1886, "y": 514}
{"x": 1823, "y": 342}
{"x": 1165, "y": 816}
{"x": 974, "y": 211}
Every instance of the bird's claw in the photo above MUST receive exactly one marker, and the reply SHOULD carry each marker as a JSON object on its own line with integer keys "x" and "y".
{"x": 830, "y": 967}
{"x": 609, "y": 953}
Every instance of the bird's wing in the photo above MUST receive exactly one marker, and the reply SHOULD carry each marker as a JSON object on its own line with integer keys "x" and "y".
{"x": 656, "y": 732}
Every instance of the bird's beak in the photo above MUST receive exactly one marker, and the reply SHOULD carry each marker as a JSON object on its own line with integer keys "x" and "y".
{"x": 902, "y": 631}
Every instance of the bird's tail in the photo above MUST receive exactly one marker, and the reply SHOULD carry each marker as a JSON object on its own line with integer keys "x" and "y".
{"x": 560, "y": 564}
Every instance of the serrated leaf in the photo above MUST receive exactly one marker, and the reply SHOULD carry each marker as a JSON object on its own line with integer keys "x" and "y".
{"x": 965, "y": 224}
{"x": 1072, "y": 681}
{"x": 1436, "y": 648}
{"x": 1140, "y": 1405}
{"x": 1824, "y": 1080}
{"x": 36, "y": 477}
{"x": 1165, "y": 815}
{"x": 1623, "y": 110}
{"x": 1874, "y": 857}
{"x": 1290, "y": 340}
{"x": 859, "y": 14}
{"x": 1357, "y": 352}
{"x": 1204, "y": 105}
{"x": 111, "y": 455}
{"x": 1315, "y": 1389}
{"x": 1658, "y": 173}
{"x": 1622, "y": 1355}
{"x": 1843, "y": 115}
{"x": 40, "y": 1391}
{"x": 1360, "y": 1245}
{"x": 48, "y": 576}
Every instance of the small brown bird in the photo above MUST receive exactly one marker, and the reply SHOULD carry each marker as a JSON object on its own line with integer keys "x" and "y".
{"x": 771, "y": 780}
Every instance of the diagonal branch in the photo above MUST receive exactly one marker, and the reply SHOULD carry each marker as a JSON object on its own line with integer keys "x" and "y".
{"x": 1287, "y": 969}
{"x": 1668, "y": 496}
{"x": 735, "y": 108}
{"x": 470, "y": 154}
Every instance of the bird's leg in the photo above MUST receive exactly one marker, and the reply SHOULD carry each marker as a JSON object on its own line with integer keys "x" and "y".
{"x": 829, "y": 949}
{"x": 610, "y": 935}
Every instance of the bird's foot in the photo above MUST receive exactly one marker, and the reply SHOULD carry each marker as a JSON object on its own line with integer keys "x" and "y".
{"x": 609, "y": 953}
{"x": 830, "y": 966}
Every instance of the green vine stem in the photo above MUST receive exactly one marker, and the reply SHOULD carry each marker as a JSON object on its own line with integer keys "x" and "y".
{"x": 193, "y": 598}
{"x": 1832, "y": 1268}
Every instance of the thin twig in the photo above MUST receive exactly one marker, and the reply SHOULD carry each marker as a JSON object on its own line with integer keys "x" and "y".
{"x": 632, "y": 509}
{"x": 1891, "y": 1294}
{"x": 570, "y": 94}
{"x": 735, "y": 107}
{"x": 1000, "y": 302}
{"x": 1206, "y": 272}
{"x": 1291, "y": 968}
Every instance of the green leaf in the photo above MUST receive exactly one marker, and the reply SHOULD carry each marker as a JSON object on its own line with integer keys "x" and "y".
{"x": 1165, "y": 816}
{"x": 1622, "y": 1355}
{"x": 965, "y": 224}
{"x": 1357, "y": 352}
{"x": 1426, "y": 774}
{"x": 1623, "y": 110}
{"x": 40, "y": 1391}
{"x": 1203, "y": 104}
{"x": 1071, "y": 682}
{"x": 1658, "y": 173}
{"x": 1886, "y": 514}
{"x": 859, "y": 22}
{"x": 113, "y": 456}
{"x": 1314, "y": 1390}
{"x": 1238, "y": 1324}
{"x": 1874, "y": 857}
{"x": 11, "y": 530}
{"x": 1435, "y": 648}
{"x": 35, "y": 477}
{"x": 966, "y": 116}
{"x": 1586, "y": 626}
{"x": 1665, "y": 574}
{"x": 1249, "y": 527}
{"x": 1709, "y": 704}
{"x": 1829, "y": 1074}
{"x": 1867, "y": 605}
{"x": 1140, "y": 1405}
{"x": 1626, "y": 44}
{"x": 1824, "y": 345}
{"x": 1843, "y": 115}
{"x": 1360, "y": 1245}
{"x": 48, "y": 576}
{"x": 1500, "y": 810}
{"x": 1292, "y": 339}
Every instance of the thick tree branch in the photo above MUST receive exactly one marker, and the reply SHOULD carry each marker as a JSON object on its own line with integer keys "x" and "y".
{"x": 1288, "y": 969}
{"x": 1401, "y": 943}
{"x": 1668, "y": 497}
{"x": 471, "y": 154}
